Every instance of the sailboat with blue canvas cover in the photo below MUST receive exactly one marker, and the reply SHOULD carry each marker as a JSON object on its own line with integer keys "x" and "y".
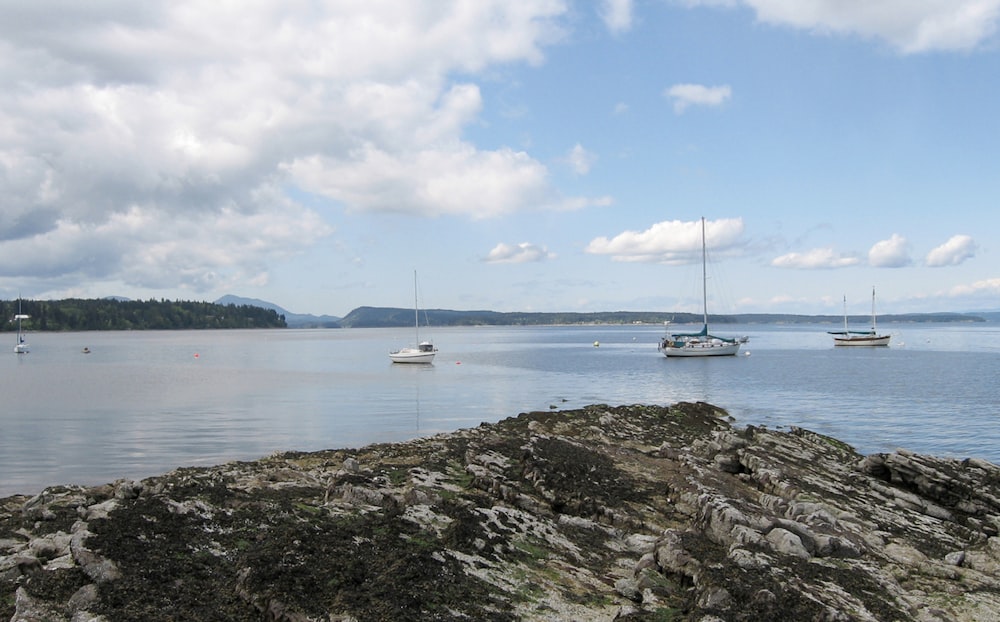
{"x": 701, "y": 343}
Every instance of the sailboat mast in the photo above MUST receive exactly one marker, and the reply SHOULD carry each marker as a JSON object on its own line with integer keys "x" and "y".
{"x": 873, "y": 310}
{"x": 704, "y": 274}
{"x": 416, "y": 312}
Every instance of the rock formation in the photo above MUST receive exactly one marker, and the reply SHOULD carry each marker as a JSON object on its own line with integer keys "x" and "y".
{"x": 602, "y": 513}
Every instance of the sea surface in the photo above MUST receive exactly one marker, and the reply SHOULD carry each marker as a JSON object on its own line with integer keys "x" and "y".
{"x": 142, "y": 403}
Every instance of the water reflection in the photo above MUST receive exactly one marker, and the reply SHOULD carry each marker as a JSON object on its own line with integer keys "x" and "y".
{"x": 142, "y": 403}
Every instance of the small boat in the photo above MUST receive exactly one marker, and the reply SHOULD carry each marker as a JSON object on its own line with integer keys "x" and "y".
{"x": 424, "y": 351}
{"x": 859, "y": 337}
{"x": 701, "y": 343}
{"x": 20, "y": 346}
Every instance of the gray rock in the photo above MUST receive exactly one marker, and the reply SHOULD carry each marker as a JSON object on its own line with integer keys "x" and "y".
{"x": 787, "y": 543}
{"x": 586, "y": 515}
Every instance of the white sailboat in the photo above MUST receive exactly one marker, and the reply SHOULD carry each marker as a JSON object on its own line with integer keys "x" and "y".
{"x": 701, "y": 343}
{"x": 20, "y": 346}
{"x": 424, "y": 351}
{"x": 859, "y": 337}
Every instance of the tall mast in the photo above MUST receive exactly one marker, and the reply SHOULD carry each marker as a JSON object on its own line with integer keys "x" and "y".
{"x": 873, "y": 308}
{"x": 416, "y": 313}
{"x": 704, "y": 274}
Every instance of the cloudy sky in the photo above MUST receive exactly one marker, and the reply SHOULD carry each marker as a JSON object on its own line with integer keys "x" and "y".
{"x": 545, "y": 155}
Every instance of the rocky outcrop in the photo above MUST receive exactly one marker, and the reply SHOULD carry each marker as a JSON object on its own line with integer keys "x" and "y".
{"x": 603, "y": 513}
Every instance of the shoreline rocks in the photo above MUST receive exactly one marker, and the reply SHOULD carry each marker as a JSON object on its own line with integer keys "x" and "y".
{"x": 631, "y": 512}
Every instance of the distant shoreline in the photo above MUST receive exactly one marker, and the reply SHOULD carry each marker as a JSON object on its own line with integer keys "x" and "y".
{"x": 232, "y": 312}
{"x": 390, "y": 317}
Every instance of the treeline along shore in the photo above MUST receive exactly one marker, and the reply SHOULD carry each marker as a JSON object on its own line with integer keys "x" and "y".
{"x": 76, "y": 314}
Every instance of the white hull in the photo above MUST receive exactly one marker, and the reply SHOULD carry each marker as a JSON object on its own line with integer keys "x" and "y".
{"x": 21, "y": 348}
{"x": 861, "y": 340}
{"x": 704, "y": 348}
{"x": 413, "y": 355}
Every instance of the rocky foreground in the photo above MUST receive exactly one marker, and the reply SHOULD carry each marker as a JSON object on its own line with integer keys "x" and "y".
{"x": 602, "y": 513}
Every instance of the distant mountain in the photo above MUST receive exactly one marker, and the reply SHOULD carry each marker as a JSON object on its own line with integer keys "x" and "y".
{"x": 293, "y": 320}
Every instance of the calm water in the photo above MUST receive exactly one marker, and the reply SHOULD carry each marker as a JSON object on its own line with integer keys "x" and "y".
{"x": 143, "y": 403}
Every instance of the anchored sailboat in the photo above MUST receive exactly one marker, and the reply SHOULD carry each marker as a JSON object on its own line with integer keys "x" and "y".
{"x": 20, "y": 346}
{"x": 701, "y": 343}
{"x": 859, "y": 337}
{"x": 424, "y": 351}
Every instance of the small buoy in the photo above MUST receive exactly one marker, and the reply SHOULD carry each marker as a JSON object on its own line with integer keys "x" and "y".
{"x": 747, "y": 353}
{"x": 196, "y": 355}
{"x": 597, "y": 344}
{"x": 458, "y": 362}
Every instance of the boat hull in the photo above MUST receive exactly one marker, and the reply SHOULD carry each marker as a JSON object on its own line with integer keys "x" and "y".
{"x": 697, "y": 351}
{"x": 701, "y": 348}
{"x": 412, "y": 355}
{"x": 877, "y": 340}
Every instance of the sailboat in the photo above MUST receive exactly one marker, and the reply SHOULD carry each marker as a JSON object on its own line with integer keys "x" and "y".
{"x": 859, "y": 337}
{"x": 425, "y": 350}
{"x": 20, "y": 346}
{"x": 701, "y": 343}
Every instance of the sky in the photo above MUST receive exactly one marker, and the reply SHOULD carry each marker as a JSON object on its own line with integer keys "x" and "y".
{"x": 544, "y": 155}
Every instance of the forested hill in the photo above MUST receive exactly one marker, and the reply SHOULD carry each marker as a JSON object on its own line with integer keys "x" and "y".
{"x": 375, "y": 317}
{"x": 112, "y": 314}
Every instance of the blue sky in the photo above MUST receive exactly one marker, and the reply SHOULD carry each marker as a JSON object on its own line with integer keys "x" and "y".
{"x": 520, "y": 156}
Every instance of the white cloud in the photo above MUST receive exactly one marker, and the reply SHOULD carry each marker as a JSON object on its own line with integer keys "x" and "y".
{"x": 671, "y": 241}
{"x": 817, "y": 258}
{"x": 524, "y": 252}
{"x": 617, "y": 15}
{"x": 686, "y": 95}
{"x": 985, "y": 288}
{"x": 138, "y": 245}
{"x": 200, "y": 124}
{"x": 580, "y": 160}
{"x": 909, "y": 26}
{"x": 456, "y": 181}
{"x": 957, "y": 249}
{"x": 891, "y": 253}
